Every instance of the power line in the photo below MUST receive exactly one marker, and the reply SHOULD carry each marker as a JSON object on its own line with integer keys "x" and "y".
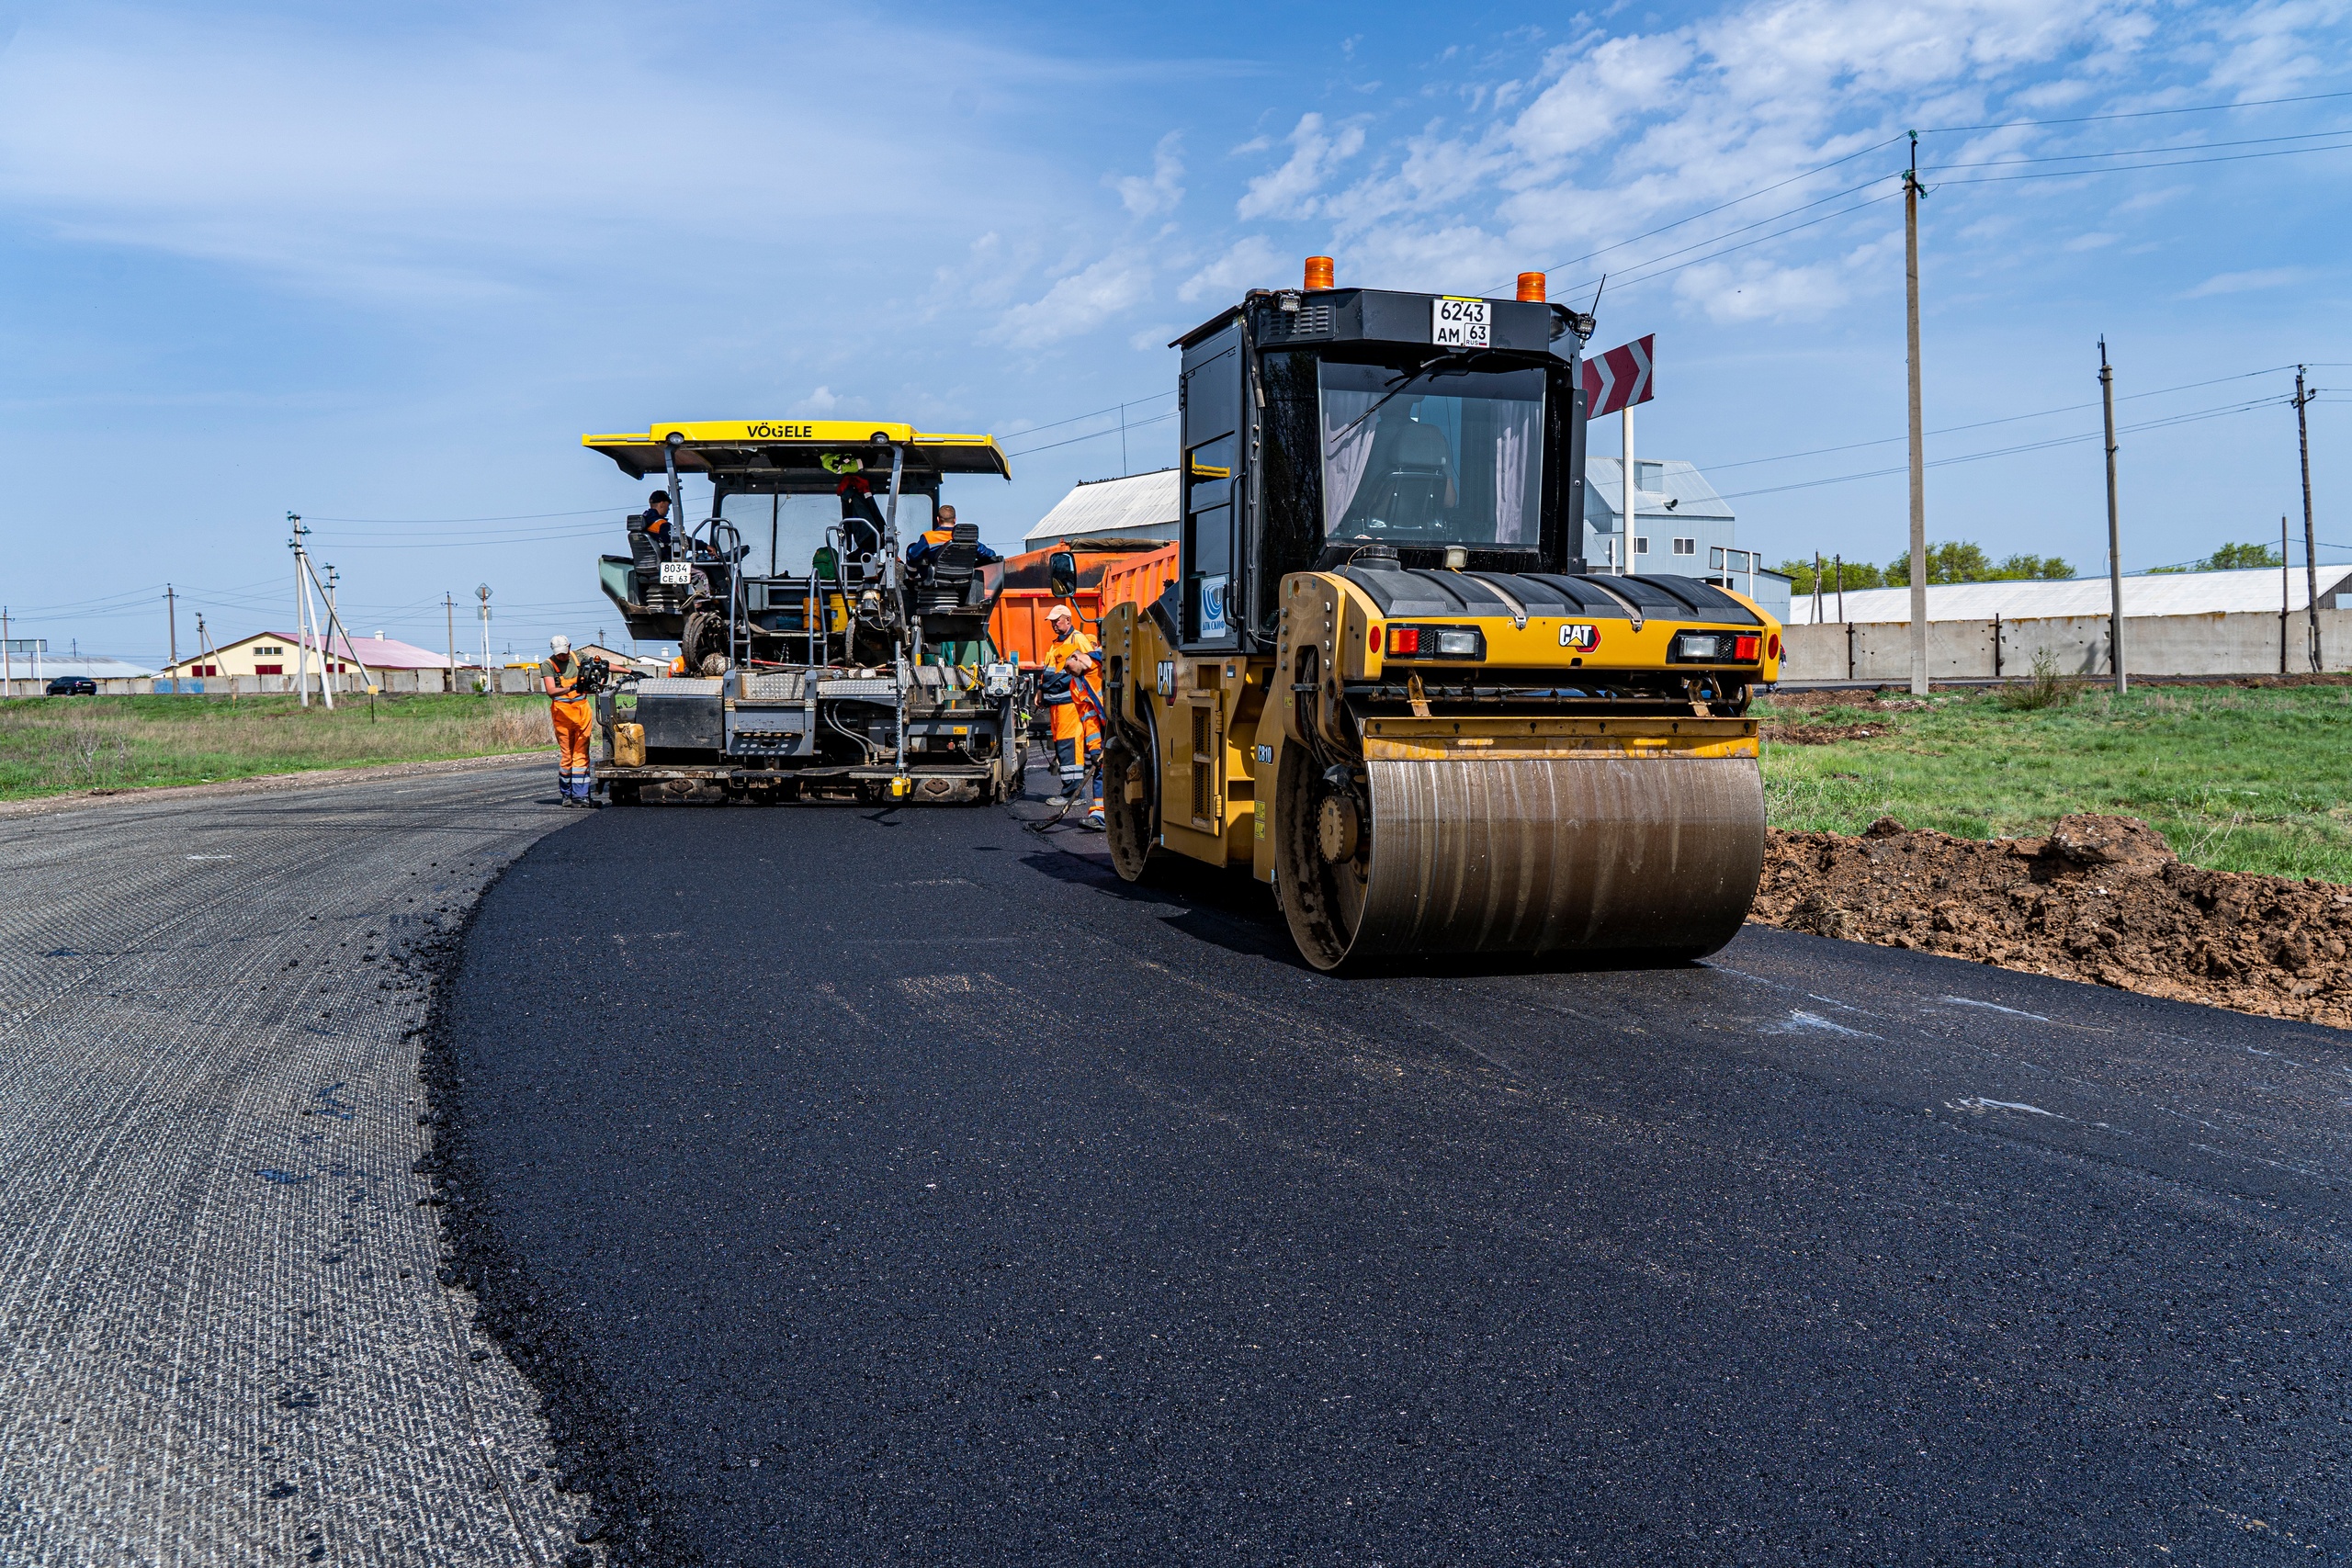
{"x": 2134, "y": 114}
{"x": 2140, "y": 152}
{"x": 2014, "y": 451}
{"x": 1982, "y": 423}
{"x": 1734, "y": 202}
{"x": 2129, "y": 168}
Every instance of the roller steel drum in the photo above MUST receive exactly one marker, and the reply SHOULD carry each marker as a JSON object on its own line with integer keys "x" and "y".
{"x": 1652, "y": 855}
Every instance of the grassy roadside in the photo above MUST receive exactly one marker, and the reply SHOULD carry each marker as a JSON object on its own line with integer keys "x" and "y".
{"x": 49, "y": 745}
{"x": 2238, "y": 778}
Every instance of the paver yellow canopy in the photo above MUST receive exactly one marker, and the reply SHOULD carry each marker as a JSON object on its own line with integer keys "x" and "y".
{"x": 1383, "y": 678}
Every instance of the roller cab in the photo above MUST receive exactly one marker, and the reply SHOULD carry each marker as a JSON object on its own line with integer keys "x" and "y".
{"x": 1382, "y": 682}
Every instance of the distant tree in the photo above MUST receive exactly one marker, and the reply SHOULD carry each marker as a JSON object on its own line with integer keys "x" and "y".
{"x": 2228, "y": 558}
{"x": 1855, "y": 574}
{"x": 2241, "y": 558}
{"x": 1959, "y": 561}
{"x": 2023, "y": 568}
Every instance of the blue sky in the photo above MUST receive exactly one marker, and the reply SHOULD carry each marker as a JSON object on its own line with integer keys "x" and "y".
{"x": 384, "y": 267}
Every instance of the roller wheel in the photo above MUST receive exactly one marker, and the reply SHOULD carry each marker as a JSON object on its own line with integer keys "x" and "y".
{"x": 1606, "y": 855}
{"x": 1132, "y": 825}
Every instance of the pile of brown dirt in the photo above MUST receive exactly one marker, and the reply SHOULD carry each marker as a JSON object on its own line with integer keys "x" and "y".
{"x": 2102, "y": 899}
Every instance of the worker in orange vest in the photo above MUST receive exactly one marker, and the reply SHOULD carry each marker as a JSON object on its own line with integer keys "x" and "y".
{"x": 1065, "y": 685}
{"x": 569, "y": 707}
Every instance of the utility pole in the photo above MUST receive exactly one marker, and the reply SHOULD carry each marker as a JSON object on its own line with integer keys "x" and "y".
{"x": 1630, "y": 487}
{"x": 171, "y": 611}
{"x": 2284, "y": 592}
{"x": 2310, "y": 547}
{"x": 1918, "y": 450}
{"x": 1837, "y": 565}
{"x": 2114, "y": 527}
{"x": 1816, "y": 588}
{"x": 482, "y": 593}
{"x": 7, "y": 654}
{"x": 449, "y": 620}
{"x": 302, "y": 611}
{"x": 335, "y": 580}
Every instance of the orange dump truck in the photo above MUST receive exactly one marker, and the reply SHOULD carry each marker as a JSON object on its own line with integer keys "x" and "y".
{"x": 1111, "y": 572}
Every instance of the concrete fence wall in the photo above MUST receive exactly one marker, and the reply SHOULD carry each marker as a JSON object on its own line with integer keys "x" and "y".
{"x": 395, "y": 682}
{"x": 2238, "y": 644}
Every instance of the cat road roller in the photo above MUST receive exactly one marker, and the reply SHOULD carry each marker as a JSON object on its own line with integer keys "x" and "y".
{"x": 1382, "y": 677}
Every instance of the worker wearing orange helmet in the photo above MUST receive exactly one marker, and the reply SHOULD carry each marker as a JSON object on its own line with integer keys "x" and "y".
{"x": 569, "y": 707}
{"x": 1066, "y": 687}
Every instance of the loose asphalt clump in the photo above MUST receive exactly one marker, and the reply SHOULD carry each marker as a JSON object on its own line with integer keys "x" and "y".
{"x": 512, "y": 1309}
{"x": 2102, "y": 899}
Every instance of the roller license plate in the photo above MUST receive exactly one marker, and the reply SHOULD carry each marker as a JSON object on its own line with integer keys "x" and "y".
{"x": 1459, "y": 323}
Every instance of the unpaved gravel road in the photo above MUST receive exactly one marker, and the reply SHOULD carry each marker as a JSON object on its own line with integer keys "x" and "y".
{"x": 221, "y": 1335}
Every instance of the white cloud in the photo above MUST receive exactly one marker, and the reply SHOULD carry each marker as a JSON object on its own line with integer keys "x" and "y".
{"x": 2090, "y": 241}
{"x": 2248, "y": 282}
{"x": 1251, "y": 262}
{"x": 1147, "y": 196}
{"x": 1078, "y": 303}
{"x": 1315, "y": 153}
{"x": 1761, "y": 292}
{"x": 822, "y": 402}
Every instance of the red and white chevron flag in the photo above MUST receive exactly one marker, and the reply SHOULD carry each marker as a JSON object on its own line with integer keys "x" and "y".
{"x": 1619, "y": 378}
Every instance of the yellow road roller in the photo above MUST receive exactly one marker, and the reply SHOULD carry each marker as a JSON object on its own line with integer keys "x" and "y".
{"x": 1383, "y": 677}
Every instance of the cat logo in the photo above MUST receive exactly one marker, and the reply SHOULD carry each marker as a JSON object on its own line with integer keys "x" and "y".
{"x": 1167, "y": 679}
{"x": 1582, "y": 635}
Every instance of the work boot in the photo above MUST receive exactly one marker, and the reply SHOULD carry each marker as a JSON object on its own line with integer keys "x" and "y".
{"x": 1094, "y": 819}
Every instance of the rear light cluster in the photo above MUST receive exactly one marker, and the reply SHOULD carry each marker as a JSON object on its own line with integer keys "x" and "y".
{"x": 1716, "y": 648}
{"x": 1436, "y": 642}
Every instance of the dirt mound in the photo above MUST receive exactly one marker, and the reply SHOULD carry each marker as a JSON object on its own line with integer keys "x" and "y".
{"x": 2102, "y": 899}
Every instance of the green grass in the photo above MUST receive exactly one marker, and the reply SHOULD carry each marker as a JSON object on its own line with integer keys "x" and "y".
{"x": 52, "y": 744}
{"x": 2238, "y": 779}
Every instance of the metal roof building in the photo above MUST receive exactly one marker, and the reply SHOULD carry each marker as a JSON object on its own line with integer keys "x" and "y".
{"x": 1139, "y": 506}
{"x": 2168, "y": 593}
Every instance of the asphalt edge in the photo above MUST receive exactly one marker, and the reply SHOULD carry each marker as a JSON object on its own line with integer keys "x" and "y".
{"x": 260, "y": 783}
{"x": 621, "y": 1519}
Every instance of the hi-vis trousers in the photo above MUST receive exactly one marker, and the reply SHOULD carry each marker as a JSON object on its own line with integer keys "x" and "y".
{"x": 573, "y": 720}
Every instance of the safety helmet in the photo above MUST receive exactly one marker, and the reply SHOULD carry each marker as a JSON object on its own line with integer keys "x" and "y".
{"x": 559, "y": 644}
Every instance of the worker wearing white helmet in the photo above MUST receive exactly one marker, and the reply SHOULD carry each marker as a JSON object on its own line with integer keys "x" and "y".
{"x": 559, "y": 674}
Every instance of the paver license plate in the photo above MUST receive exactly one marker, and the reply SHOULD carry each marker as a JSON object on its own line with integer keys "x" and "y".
{"x": 1459, "y": 323}
{"x": 676, "y": 574}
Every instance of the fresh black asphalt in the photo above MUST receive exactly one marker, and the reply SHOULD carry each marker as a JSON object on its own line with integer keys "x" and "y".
{"x": 900, "y": 1187}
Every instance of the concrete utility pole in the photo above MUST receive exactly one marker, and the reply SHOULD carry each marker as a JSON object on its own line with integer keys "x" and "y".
{"x": 2310, "y": 547}
{"x": 481, "y": 592}
{"x": 1918, "y": 451}
{"x": 172, "y": 613}
{"x": 2284, "y": 592}
{"x": 7, "y": 654}
{"x": 301, "y": 610}
{"x": 1816, "y": 588}
{"x": 2114, "y": 528}
{"x": 1631, "y": 487}
{"x": 335, "y": 580}
{"x": 449, "y": 620}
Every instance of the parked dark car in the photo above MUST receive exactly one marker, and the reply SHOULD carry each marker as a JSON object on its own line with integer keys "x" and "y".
{"x": 73, "y": 686}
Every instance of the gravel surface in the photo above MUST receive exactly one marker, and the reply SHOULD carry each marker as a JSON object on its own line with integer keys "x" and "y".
{"x": 876, "y": 1186}
{"x": 222, "y": 1340}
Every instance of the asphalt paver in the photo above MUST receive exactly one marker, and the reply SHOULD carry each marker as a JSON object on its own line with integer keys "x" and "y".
{"x": 225, "y": 1337}
{"x": 901, "y": 1187}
